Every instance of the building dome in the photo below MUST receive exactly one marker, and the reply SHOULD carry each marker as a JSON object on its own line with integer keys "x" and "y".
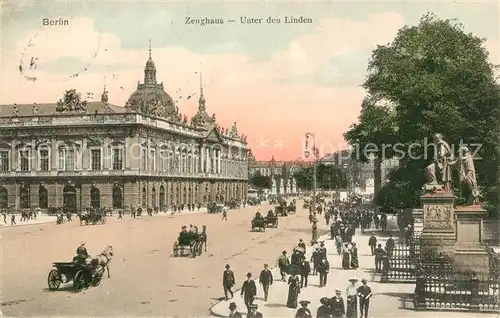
{"x": 150, "y": 97}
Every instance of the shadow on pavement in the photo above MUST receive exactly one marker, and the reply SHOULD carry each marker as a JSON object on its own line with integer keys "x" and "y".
{"x": 274, "y": 305}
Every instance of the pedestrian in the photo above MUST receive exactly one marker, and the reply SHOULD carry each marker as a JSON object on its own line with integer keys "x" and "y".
{"x": 248, "y": 291}
{"x": 354, "y": 256}
{"x": 4, "y": 217}
{"x": 266, "y": 280}
{"x": 352, "y": 299}
{"x": 120, "y": 213}
{"x": 315, "y": 259}
{"x": 283, "y": 264}
{"x": 322, "y": 250}
{"x": 305, "y": 270}
{"x": 224, "y": 214}
{"x": 232, "y": 310}
{"x": 253, "y": 313}
{"x": 324, "y": 269}
{"x": 324, "y": 311}
{"x": 372, "y": 242}
{"x": 293, "y": 292}
{"x": 228, "y": 281}
{"x": 337, "y": 305}
{"x": 302, "y": 245}
{"x": 379, "y": 256}
{"x": 346, "y": 256}
{"x": 13, "y": 219}
{"x": 364, "y": 294}
{"x": 303, "y": 311}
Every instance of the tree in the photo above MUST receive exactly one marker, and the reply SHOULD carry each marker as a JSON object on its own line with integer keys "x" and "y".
{"x": 438, "y": 79}
{"x": 259, "y": 181}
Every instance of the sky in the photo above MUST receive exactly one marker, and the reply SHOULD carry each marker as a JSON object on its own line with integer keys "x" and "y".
{"x": 276, "y": 80}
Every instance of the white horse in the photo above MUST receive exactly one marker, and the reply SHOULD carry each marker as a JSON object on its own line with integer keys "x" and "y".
{"x": 104, "y": 258}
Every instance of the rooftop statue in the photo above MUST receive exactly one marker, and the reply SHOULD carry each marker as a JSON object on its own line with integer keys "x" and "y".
{"x": 234, "y": 131}
{"x": 439, "y": 172}
{"x": 15, "y": 110}
{"x": 71, "y": 102}
{"x": 35, "y": 109}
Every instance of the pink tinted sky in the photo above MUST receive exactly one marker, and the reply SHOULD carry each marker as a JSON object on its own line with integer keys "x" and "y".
{"x": 273, "y": 100}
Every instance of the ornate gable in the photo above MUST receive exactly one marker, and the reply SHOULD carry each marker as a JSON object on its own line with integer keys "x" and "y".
{"x": 214, "y": 136}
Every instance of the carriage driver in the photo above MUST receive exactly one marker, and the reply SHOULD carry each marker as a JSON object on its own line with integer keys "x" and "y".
{"x": 82, "y": 256}
{"x": 258, "y": 215}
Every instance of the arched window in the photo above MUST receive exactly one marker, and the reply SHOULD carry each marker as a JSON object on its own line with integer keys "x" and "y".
{"x": 153, "y": 197}
{"x": 24, "y": 197}
{"x": 144, "y": 198}
{"x": 117, "y": 197}
{"x": 95, "y": 198}
{"x": 43, "y": 198}
{"x": 162, "y": 197}
{"x": 4, "y": 204}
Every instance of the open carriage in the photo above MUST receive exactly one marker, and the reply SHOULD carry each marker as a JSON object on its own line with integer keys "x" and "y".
{"x": 272, "y": 220}
{"x": 213, "y": 207}
{"x": 291, "y": 208}
{"x": 189, "y": 244}
{"x": 280, "y": 210}
{"x": 83, "y": 276}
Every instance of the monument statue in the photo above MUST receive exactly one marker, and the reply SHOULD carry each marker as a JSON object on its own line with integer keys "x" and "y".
{"x": 467, "y": 173}
{"x": 439, "y": 172}
{"x": 15, "y": 110}
{"x": 35, "y": 109}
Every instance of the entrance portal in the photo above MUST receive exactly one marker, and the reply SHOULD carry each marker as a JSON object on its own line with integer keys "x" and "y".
{"x": 69, "y": 198}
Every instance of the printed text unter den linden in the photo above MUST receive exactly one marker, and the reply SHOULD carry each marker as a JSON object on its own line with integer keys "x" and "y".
{"x": 249, "y": 20}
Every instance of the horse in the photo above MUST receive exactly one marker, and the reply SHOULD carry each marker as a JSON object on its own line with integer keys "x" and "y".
{"x": 83, "y": 218}
{"x": 104, "y": 259}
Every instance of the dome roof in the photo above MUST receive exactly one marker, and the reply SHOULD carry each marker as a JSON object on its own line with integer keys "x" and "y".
{"x": 151, "y": 100}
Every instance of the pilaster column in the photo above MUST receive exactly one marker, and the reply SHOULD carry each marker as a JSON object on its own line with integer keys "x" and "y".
{"x": 202, "y": 159}
{"x": 219, "y": 162}
{"x": 54, "y": 152}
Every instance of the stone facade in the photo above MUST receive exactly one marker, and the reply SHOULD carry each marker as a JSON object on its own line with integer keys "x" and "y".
{"x": 78, "y": 154}
{"x": 280, "y": 171}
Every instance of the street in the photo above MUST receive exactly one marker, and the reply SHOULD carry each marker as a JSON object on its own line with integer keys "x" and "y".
{"x": 145, "y": 278}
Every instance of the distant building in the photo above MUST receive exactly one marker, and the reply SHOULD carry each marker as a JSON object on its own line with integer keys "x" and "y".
{"x": 281, "y": 171}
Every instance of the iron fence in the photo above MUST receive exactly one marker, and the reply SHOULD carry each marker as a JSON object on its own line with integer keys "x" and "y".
{"x": 399, "y": 265}
{"x": 452, "y": 287}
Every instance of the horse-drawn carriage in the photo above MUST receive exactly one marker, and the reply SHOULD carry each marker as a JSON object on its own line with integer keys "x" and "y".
{"x": 233, "y": 204}
{"x": 93, "y": 216}
{"x": 83, "y": 276}
{"x": 271, "y": 219}
{"x": 280, "y": 210}
{"x": 190, "y": 244}
{"x": 259, "y": 223}
{"x": 291, "y": 208}
{"x": 213, "y": 207}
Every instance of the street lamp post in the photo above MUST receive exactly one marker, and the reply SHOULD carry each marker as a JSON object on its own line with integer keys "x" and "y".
{"x": 315, "y": 153}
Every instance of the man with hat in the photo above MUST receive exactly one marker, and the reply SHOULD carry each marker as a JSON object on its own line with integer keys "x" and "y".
{"x": 303, "y": 312}
{"x": 253, "y": 313}
{"x": 324, "y": 311}
{"x": 228, "y": 281}
{"x": 266, "y": 280}
{"x": 248, "y": 291}
{"x": 283, "y": 263}
{"x": 337, "y": 304}
{"x": 232, "y": 310}
{"x": 372, "y": 242}
{"x": 364, "y": 294}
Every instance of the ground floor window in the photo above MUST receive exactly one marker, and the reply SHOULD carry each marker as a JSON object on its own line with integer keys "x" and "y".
{"x": 95, "y": 198}
{"x": 117, "y": 198}
{"x": 144, "y": 197}
{"x": 24, "y": 198}
{"x": 162, "y": 197}
{"x": 3, "y": 198}
{"x": 153, "y": 197}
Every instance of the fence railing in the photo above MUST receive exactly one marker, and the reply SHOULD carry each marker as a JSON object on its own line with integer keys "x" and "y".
{"x": 398, "y": 266}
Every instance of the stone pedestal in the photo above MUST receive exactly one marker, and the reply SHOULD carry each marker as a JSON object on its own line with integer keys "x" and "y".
{"x": 470, "y": 254}
{"x": 438, "y": 229}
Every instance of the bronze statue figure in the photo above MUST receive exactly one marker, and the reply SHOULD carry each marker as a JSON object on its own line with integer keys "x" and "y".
{"x": 441, "y": 165}
{"x": 467, "y": 173}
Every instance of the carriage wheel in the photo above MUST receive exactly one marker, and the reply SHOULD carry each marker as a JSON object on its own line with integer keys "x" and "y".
{"x": 200, "y": 249}
{"x": 81, "y": 280}
{"x": 54, "y": 279}
{"x": 103, "y": 220}
{"x": 96, "y": 281}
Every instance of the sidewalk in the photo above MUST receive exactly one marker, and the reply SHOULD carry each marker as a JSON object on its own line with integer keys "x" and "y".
{"x": 41, "y": 218}
{"x": 389, "y": 300}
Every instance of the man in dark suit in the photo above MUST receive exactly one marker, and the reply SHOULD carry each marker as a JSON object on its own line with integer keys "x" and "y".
{"x": 248, "y": 291}
{"x": 302, "y": 245}
{"x": 266, "y": 280}
{"x": 232, "y": 311}
{"x": 228, "y": 281}
{"x": 305, "y": 270}
{"x": 337, "y": 304}
{"x": 323, "y": 270}
{"x": 364, "y": 295}
{"x": 372, "y": 242}
{"x": 389, "y": 245}
{"x": 253, "y": 313}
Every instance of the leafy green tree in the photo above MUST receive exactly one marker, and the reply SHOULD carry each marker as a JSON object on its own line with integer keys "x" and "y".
{"x": 327, "y": 177}
{"x": 259, "y": 181}
{"x": 438, "y": 79}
